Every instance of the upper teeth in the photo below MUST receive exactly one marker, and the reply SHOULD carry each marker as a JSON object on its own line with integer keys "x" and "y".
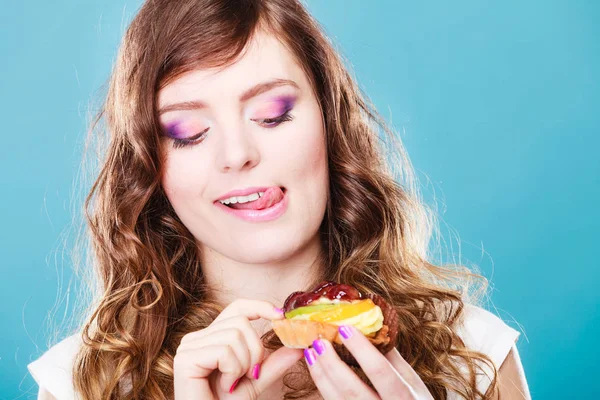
{"x": 242, "y": 199}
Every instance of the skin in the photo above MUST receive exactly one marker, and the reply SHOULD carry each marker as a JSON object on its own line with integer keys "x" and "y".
{"x": 511, "y": 376}
{"x": 265, "y": 260}
{"x": 252, "y": 266}
{"x": 391, "y": 375}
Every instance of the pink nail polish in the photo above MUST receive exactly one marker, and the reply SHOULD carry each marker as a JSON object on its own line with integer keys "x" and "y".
{"x": 279, "y": 310}
{"x": 233, "y": 386}
{"x": 319, "y": 346}
{"x": 256, "y": 371}
{"x": 309, "y": 356}
{"x": 345, "y": 331}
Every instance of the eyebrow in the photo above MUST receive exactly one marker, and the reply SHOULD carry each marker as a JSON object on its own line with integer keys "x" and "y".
{"x": 247, "y": 95}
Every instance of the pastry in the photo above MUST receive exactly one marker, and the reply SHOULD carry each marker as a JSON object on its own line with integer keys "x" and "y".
{"x": 318, "y": 313}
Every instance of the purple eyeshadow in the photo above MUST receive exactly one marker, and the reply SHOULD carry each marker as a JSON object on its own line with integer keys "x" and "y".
{"x": 174, "y": 130}
{"x": 279, "y": 105}
{"x": 286, "y": 103}
{"x": 283, "y": 104}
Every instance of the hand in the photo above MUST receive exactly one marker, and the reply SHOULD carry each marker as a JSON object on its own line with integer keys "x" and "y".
{"x": 220, "y": 361}
{"x": 391, "y": 375}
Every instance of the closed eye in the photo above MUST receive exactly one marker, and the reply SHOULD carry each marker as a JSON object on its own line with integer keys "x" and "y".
{"x": 197, "y": 138}
{"x": 265, "y": 122}
{"x": 273, "y": 122}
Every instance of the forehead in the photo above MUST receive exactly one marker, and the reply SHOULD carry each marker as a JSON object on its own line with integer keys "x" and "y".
{"x": 265, "y": 58}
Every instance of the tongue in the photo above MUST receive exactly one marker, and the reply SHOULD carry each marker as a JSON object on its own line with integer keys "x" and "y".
{"x": 270, "y": 197}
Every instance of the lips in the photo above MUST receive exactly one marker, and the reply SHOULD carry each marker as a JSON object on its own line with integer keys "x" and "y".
{"x": 244, "y": 192}
{"x": 271, "y": 196}
{"x": 274, "y": 203}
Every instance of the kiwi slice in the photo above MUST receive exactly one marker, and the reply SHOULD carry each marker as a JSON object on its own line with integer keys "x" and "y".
{"x": 308, "y": 310}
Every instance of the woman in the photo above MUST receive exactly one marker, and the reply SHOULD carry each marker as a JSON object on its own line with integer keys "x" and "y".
{"x": 244, "y": 164}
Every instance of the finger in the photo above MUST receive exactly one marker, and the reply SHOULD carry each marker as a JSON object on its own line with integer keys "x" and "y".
{"x": 388, "y": 382}
{"x": 251, "y": 309}
{"x": 226, "y": 337}
{"x": 274, "y": 367}
{"x": 405, "y": 370}
{"x": 319, "y": 376}
{"x": 338, "y": 371}
{"x": 193, "y": 366}
{"x": 251, "y": 338}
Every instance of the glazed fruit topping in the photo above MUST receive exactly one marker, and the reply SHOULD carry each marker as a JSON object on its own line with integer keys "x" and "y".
{"x": 308, "y": 310}
{"x": 332, "y": 312}
{"x": 328, "y": 289}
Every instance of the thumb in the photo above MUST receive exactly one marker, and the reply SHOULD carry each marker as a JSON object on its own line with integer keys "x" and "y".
{"x": 274, "y": 367}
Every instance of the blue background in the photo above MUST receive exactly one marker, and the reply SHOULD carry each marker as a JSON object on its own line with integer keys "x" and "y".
{"x": 498, "y": 105}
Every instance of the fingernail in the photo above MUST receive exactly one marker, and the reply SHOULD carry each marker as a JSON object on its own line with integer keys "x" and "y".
{"x": 256, "y": 371}
{"x": 279, "y": 310}
{"x": 319, "y": 346}
{"x": 345, "y": 331}
{"x": 233, "y": 386}
{"x": 309, "y": 356}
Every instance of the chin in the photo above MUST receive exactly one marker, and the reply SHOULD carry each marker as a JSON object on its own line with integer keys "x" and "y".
{"x": 260, "y": 249}
{"x": 265, "y": 252}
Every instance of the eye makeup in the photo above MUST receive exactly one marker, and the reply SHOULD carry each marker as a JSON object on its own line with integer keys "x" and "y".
{"x": 185, "y": 132}
{"x": 274, "y": 108}
{"x": 183, "y": 129}
{"x": 270, "y": 114}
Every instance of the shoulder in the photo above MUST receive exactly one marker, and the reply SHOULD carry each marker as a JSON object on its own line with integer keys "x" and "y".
{"x": 52, "y": 371}
{"x": 486, "y": 333}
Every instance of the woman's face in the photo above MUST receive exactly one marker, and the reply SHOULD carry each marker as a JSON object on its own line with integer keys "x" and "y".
{"x": 253, "y": 127}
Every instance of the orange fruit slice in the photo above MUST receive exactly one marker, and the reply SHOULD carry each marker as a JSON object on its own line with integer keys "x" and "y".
{"x": 343, "y": 311}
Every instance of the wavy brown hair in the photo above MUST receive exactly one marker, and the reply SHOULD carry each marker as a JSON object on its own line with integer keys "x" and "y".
{"x": 376, "y": 231}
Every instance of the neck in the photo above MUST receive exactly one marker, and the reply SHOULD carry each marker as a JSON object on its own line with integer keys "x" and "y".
{"x": 273, "y": 281}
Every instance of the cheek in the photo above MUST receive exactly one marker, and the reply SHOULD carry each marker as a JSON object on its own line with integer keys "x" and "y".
{"x": 306, "y": 166}
{"x": 309, "y": 155}
{"x": 184, "y": 178}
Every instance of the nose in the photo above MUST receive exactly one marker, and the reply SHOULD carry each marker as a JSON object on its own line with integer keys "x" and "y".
{"x": 238, "y": 150}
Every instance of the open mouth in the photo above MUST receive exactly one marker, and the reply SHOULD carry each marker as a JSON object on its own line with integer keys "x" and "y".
{"x": 254, "y": 208}
{"x": 256, "y": 201}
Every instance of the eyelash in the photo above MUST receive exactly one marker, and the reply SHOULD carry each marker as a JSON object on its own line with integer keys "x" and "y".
{"x": 272, "y": 123}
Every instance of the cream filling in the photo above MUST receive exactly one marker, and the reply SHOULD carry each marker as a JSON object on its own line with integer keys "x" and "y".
{"x": 367, "y": 322}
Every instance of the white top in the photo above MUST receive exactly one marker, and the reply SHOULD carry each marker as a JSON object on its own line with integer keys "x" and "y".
{"x": 481, "y": 331}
